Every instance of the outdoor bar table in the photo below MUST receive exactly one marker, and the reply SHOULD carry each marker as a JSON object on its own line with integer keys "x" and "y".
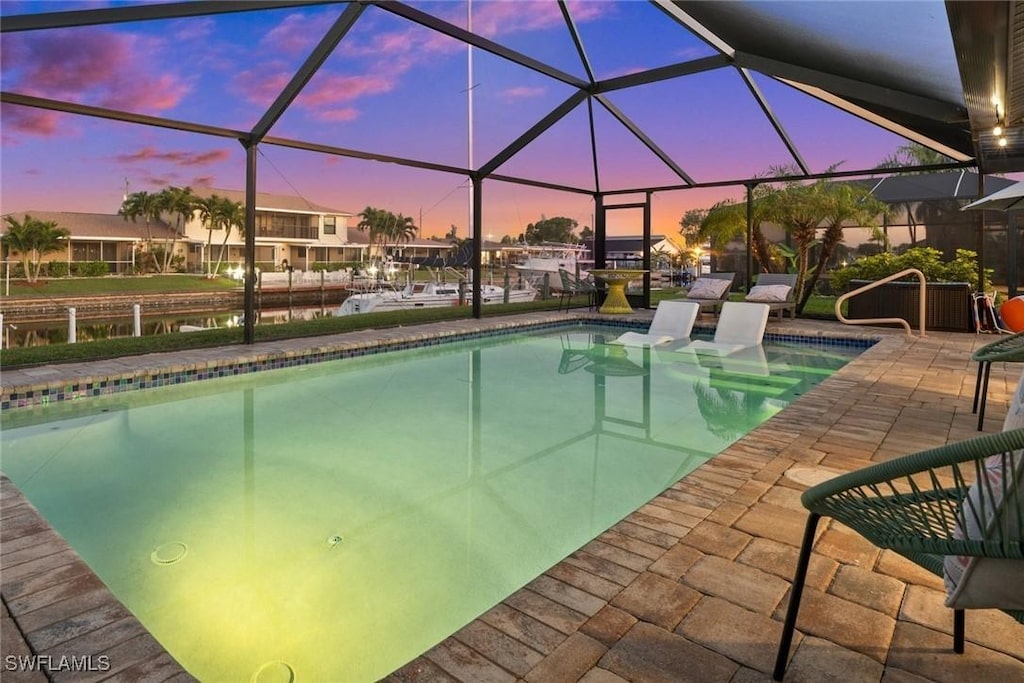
{"x": 617, "y": 279}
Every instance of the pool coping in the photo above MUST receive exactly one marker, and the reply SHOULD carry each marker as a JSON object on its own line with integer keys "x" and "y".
{"x": 98, "y": 624}
{"x": 31, "y": 387}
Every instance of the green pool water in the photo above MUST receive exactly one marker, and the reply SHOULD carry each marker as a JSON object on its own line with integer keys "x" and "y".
{"x": 333, "y": 521}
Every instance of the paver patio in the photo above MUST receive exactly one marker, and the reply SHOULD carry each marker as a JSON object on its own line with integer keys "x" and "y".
{"x": 691, "y": 587}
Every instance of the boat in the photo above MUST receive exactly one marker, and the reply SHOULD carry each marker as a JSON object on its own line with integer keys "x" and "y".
{"x": 384, "y": 296}
{"x": 536, "y": 262}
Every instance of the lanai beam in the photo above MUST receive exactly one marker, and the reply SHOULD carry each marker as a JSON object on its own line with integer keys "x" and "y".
{"x": 642, "y": 137}
{"x": 147, "y": 12}
{"x": 772, "y": 119}
{"x": 534, "y": 132}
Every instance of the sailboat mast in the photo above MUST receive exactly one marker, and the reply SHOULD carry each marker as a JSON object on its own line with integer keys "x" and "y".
{"x": 469, "y": 118}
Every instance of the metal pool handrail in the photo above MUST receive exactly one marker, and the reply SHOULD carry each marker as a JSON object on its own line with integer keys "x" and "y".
{"x": 876, "y": 283}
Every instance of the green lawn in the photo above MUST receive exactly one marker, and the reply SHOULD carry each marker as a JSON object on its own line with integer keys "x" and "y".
{"x": 85, "y": 286}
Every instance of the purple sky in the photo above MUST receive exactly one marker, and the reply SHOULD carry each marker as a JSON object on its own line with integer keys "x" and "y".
{"x": 395, "y": 88}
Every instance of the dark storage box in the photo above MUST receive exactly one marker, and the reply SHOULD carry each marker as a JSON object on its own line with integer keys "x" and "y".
{"x": 947, "y": 304}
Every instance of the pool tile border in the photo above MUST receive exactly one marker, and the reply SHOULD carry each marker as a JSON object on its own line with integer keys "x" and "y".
{"x": 22, "y": 397}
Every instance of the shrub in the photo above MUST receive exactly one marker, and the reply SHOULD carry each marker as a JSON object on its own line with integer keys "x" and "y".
{"x": 963, "y": 267}
{"x": 56, "y": 269}
{"x": 89, "y": 269}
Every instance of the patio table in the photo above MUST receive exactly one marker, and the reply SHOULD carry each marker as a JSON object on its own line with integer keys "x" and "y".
{"x": 617, "y": 279}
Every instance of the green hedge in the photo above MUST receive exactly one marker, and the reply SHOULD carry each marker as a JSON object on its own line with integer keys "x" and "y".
{"x": 89, "y": 269}
{"x": 56, "y": 269}
{"x": 963, "y": 268}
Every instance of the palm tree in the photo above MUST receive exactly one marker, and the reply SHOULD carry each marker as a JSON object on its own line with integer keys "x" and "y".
{"x": 727, "y": 221}
{"x": 179, "y": 202}
{"x": 373, "y": 222}
{"x": 147, "y": 206}
{"x": 31, "y": 239}
{"x": 209, "y": 209}
{"x": 842, "y": 203}
{"x": 219, "y": 213}
{"x": 385, "y": 228}
{"x": 401, "y": 229}
{"x": 913, "y": 154}
{"x": 232, "y": 216}
{"x": 799, "y": 208}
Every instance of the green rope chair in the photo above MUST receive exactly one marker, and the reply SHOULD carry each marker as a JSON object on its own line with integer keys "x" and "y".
{"x": 911, "y": 505}
{"x": 1005, "y": 350}
{"x": 573, "y": 286}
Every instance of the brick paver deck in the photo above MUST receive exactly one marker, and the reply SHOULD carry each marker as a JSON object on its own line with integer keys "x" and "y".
{"x": 691, "y": 587}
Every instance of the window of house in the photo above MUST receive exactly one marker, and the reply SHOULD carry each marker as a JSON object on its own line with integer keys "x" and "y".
{"x": 330, "y": 225}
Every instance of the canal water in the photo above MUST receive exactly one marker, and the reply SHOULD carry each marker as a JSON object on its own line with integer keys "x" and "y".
{"x": 45, "y": 332}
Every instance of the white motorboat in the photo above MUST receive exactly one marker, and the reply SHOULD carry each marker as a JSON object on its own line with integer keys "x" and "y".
{"x": 384, "y": 297}
{"x": 540, "y": 261}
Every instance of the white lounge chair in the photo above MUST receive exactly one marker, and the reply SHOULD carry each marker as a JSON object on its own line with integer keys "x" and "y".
{"x": 740, "y": 326}
{"x": 673, "y": 321}
{"x": 704, "y": 291}
{"x": 776, "y": 290}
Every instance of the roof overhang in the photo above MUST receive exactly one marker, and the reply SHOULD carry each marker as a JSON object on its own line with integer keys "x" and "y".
{"x": 989, "y": 40}
{"x": 922, "y": 107}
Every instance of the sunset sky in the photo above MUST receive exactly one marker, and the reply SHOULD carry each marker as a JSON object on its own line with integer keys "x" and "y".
{"x": 393, "y": 87}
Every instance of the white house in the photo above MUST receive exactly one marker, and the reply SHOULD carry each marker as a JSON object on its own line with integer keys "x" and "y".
{"x": 290, "y": 231}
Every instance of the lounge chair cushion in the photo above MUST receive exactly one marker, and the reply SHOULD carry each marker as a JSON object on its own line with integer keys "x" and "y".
{"x": 708, "y": 288}
{"x": 769, "y": 293}
{"x": 991, "y": 582}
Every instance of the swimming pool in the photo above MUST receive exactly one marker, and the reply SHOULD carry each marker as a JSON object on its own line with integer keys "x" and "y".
{"x": 335, "y": 520}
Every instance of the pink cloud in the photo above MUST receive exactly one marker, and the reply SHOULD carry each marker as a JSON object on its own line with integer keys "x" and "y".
{"x": 521, "y": 92}
{"x": 408, "y": 41}
{"x": 195, "y": 28}
{"x": 626, "y": 71}
{"x": 395, "y": 52}
{"x": 90, "y": 65}
{"x": 29, "y": 121}
{"x": 493, "y": 19}
{"x": 334, "y": 89}
{"x": 258, "y": 86}
{"x": 297, "y": 33}
{"x": 337, "y": 115}
{"x": 202, "y": 181}
{"x": 160, "y": 181}
{"x": 134, "y": 94}
{"x": 176, "y": 158}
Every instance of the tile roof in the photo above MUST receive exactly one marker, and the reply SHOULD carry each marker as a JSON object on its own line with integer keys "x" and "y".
{"x": 98, "y": 225}
{"x": 270, "y": 201}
